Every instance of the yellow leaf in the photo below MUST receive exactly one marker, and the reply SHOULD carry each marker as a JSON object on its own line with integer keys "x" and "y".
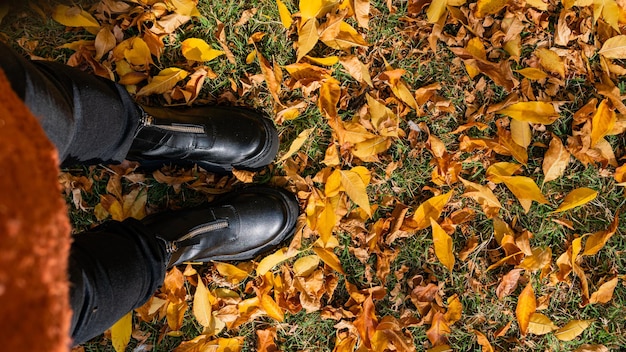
{"x": 489, "y": 7}
{"x": 532, "y": 73}
{"x": 605, "y": 292}
{"x": 271, "y": 308}
{"x": 267, "y": 263}
{"x": 572, "y": 329}
{"x": 354, "y": 186}
{"x": 555, "y": 160}
{"x": 540, "y": 324}
{"x": 202, "y": 305}
{"x": 73, "y": 17}
{"x": 121, "y": 331}
{"x": 484, "y": 196}
{"x": 232, "y": 273}
{"x": 315, "y": 8}
{"x": 521, "y": 133}
{"x": 324, "y": 61}
{"x": 436, "y": 10}
{"x": 135, "y": 51}
{"x": 539, "y": 259}
{"x": 196, "y": 49}
{"x": 250, "y": 57}
{"x": 285, "y": 15}
{"x": 531, "y": 111}
{"x": 347, "y": 38}
{"x": 526, "y": 306}
{"x": 476, "y": 48}
{"x": 602, "y": 122}
{"x": 430, "y": 209}
{"x": 525, "y": 189}
{"x": 614, "y": 47}
{"x": 326, "y": 222}
{"x": 307, "y": 37}
{"x": 306, "y": 265}
{"x": 297, "y": 143}
{"x": 455, "y": 310}
{"x": 576, "y": 198}
{"x": 330, "y": 258}
{"x": 551, "y": 61}
{"x": 369, "y": 148}
{"x": 608, "y": 10}
{"x": 184, "y": 7}
{"x": 443, "y": 245}
{"x": 501, "y": 169}
{"x": 164, "y": 81}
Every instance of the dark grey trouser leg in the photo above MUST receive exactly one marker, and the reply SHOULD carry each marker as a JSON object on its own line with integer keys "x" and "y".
{"x": 88, "y": 118}
{"x": 114, "y": 268}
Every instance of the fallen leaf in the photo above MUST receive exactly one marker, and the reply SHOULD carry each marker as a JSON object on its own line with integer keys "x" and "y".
{"x": 605, "y": 292}
{"x": 483, "y": 342}
{"x": 297, "y": 143}
{"x": 164, "y": 81}
{"x": 572, "y": 329}
{"x": 614, "y": 47}
{"x": 531, "y": 111}
{"x": 555, "y": 160}
{"x": 267, "y": 263}
{"x": 489, "y": 7}
{"x": 202, "y": 305}
{"x": 285, "y": 15}
{"x": 602, "y": 122}
{"x": 74, "y": 17}
{"x": 443, "y": 245}
{"x": 540, "y": 324}
{"x": 551, "y": 61}
{"x": 439, "y": 330}
{"x": 430, "y": 209}
{"x": 307, "y": 37}
{"x": 121, "y": 331}
{"x": 196, "y": 49}
{"x": 575, "y": 198}
{"x": 525, "y": 189}
{"x": 526, "y": 305}
{"x": 508, "y": 284}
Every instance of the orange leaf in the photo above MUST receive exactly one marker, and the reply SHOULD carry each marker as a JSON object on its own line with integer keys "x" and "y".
{"x": 439, "y": 330}
{"x": 605, "y": 292}
{"x": 508, "y": 283}
{"x": 366, "y": 321}
{"x": 483, "y": 341}
{"x": 551, "y": 61}
{"x": 526, "y": 306}
{"x": 596, "y": 241}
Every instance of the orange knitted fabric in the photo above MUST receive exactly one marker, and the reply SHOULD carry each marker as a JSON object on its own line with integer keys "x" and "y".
{"x": 34, "y": 235}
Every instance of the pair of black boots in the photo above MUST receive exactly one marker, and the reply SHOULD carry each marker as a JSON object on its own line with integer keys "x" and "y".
{"x": 240, "y": 225}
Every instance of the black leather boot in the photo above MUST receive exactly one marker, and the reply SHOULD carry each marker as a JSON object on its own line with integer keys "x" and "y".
{"x": 238, "y": 226}
{"x": 217, "y": 138}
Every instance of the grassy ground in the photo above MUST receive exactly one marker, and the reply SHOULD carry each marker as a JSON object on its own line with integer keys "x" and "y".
{"x": 482, "y": 310}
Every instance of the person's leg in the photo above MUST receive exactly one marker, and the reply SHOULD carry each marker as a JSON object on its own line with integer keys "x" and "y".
{"x": 114, "y": 268}
{"x": 117, "y": 266}
{"x": 89, "y": 119}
